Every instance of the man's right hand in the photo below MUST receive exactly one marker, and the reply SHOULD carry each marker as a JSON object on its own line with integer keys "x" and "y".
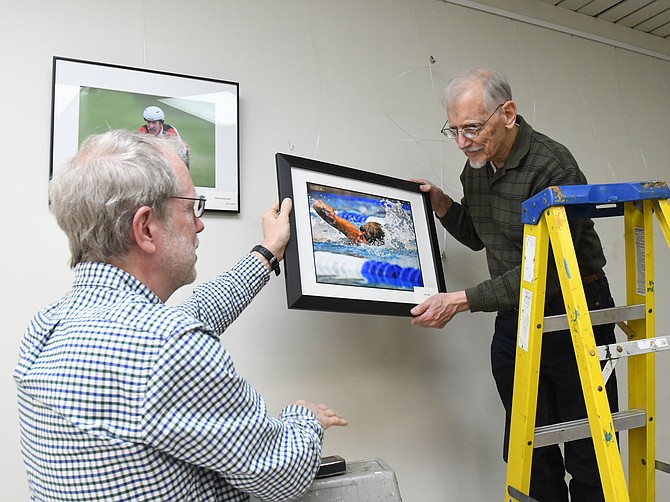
{"x": 439, "y": 201}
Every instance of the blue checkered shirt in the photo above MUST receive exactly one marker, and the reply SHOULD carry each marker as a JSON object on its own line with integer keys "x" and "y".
{"x": 122, "y": 397}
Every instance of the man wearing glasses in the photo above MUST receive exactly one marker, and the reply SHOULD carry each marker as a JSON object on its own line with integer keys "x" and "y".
{"x": 508, "y": 162}
{"x": 122, "y": 397}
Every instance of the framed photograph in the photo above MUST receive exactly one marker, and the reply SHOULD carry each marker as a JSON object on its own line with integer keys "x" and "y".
{"x": 360, "y": 242}
{"x": 90, "y": 98}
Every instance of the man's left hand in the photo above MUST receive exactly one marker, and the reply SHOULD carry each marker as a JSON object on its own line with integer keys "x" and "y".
{"x": 276, "y": 228}
{"x": 439, "y": 309}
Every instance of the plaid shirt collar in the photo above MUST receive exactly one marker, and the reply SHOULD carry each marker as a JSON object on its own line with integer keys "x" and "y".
{"x": 521, "y": 146}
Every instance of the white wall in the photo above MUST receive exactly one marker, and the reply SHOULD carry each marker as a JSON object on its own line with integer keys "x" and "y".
{"x": 347, "y": 82}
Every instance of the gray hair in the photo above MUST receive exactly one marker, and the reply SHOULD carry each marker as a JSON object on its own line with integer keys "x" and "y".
{"x": 494, "y": 85}
{"x": 95, "y": 196}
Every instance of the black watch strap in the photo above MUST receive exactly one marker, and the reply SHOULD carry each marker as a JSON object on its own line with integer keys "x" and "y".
{"x": 267, "y": 254}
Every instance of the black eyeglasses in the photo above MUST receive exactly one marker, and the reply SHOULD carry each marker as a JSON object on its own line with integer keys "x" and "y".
{"x": 198, "y": 204}
{"x": 470, "y": 132}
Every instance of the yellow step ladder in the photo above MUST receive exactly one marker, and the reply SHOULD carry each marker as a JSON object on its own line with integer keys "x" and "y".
{"x": 546, "y": 220}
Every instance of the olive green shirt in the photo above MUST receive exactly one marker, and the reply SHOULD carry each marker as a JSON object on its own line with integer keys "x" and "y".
{"x": 489, "y": 217}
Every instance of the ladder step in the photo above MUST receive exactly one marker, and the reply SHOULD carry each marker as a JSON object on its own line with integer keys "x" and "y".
{"x": 579, "y": 429}
{"x": 634, "y": 348}
{"x": 662, "y": 466}
{"x": 611, "y": 315}
{"x": 521, "y": 497}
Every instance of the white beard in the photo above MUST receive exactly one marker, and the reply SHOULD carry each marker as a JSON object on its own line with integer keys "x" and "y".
{"x": 474, "y": 163}
{"x": 180, "y": 257}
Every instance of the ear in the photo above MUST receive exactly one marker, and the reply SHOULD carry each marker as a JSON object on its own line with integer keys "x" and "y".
{"x": 509, "y": 109}
{"x": 143, "y": 229}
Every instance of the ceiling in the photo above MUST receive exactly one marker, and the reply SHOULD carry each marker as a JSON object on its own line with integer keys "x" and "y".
{"x": 648, "y": 16}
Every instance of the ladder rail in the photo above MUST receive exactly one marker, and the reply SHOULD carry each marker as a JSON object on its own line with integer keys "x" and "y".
{"x": 598, "y": 409}
{"x": 639, "y": 247}
{"x": 662, "y": 210}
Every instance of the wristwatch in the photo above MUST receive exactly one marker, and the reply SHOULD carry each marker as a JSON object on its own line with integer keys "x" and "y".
{"x": 267, "y": 254}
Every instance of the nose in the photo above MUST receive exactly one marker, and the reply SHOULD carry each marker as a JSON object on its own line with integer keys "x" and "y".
{"x": 462, "y": 141}
{"x": 199, "y": 225}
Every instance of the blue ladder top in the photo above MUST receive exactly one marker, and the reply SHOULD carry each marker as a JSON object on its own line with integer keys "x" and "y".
{"x": 591, "y": 201}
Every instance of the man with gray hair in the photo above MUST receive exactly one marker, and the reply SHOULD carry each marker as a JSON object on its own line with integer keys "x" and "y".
{"x": 507, "y": 163}
{"x": 122, "y": 397}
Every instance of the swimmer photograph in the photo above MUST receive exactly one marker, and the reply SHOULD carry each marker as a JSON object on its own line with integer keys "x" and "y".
{"x": 362, "y": 239}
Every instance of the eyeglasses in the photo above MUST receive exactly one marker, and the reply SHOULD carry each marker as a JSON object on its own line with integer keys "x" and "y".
{"x": 198, "y": 204}
{"x": 470, "y": 132}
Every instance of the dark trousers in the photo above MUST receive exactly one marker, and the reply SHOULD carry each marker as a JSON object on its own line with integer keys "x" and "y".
{"x": 560, "y": 399}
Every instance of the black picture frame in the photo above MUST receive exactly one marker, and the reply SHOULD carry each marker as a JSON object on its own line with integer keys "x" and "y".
{"x": 327, "y": 270}
{"x": 92, "y": 97}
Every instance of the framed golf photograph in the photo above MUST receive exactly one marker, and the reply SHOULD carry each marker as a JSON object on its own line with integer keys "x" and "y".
{"x": 360, "y": 242}
{"x": 92, "y": 98}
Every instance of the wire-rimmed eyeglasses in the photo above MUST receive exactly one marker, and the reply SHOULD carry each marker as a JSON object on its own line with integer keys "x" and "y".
{"x": 470, "y": 132}
{"x": 198, "y": 204}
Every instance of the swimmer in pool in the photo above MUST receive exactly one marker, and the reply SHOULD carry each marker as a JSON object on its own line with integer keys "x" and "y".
{"x": 370, "y": 233}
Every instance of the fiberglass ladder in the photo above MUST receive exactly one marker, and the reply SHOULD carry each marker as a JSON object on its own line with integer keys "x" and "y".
{"x": 545, "y": 217}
